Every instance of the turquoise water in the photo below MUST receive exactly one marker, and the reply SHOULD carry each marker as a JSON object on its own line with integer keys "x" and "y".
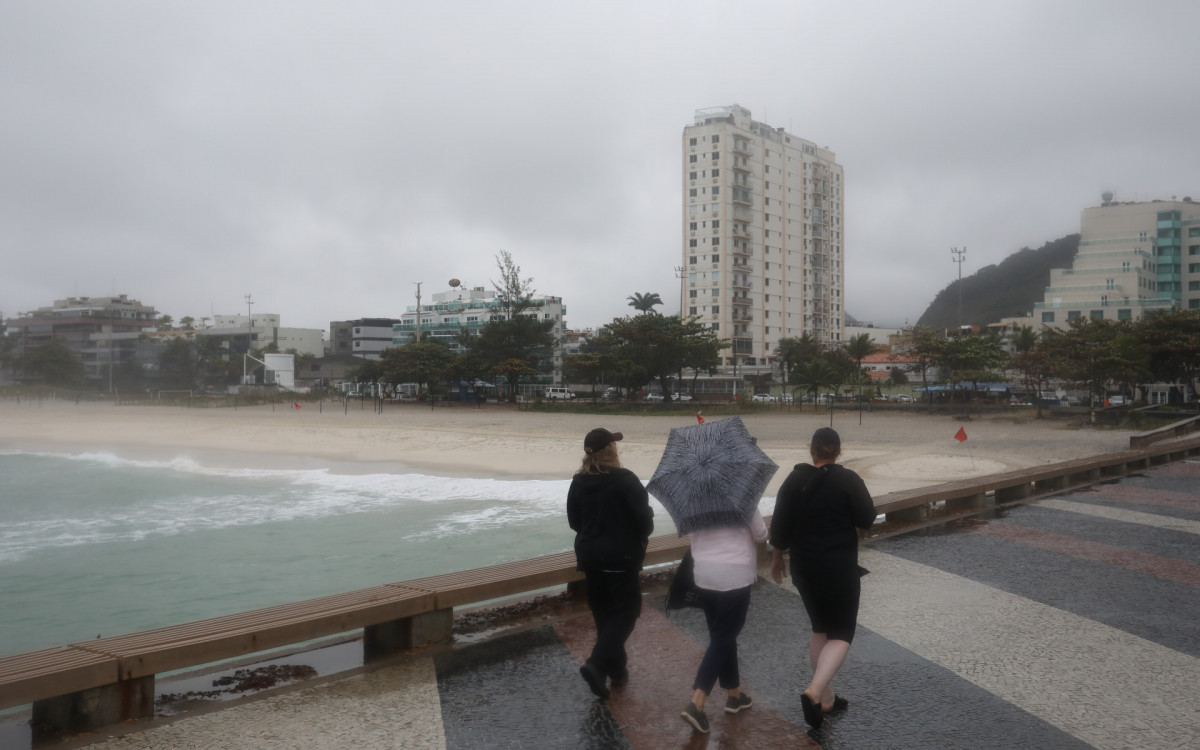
{"x": 94, "y": 544}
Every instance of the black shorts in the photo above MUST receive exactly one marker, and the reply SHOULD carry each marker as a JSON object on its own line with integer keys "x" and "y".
{"x": 830, "y": 595}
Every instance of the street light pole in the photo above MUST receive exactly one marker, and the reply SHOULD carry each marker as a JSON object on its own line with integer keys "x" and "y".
{"x": 249, "y": 337}
{"x": 959, "y": 257}
{"x": 418, "y": 283}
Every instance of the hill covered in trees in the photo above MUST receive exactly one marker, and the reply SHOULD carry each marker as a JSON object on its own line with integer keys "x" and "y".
{"x": 1001, "y": 291}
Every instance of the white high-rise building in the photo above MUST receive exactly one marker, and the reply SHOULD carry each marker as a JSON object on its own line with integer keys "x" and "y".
{"x": 1133, "y": 257}
{"x": 763, "y": 235}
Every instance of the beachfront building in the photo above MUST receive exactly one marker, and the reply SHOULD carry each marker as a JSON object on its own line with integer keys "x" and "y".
{"x": 763, "y": 228}
{"x": 101, "y": 331}
{"x": 365, "y": 337}
{"x": 1132, "y": 257}
{"x": 262, "y": 331}
{"x": 459, "y": 308}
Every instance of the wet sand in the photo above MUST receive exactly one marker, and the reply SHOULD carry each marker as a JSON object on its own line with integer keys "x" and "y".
{"x": 891, "y": 450}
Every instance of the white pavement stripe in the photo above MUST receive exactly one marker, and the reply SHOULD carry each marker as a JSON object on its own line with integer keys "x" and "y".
{"x": 1104, "y": 686}
{"x": 392, "y": 707}
{"x": 1127, "y": 516}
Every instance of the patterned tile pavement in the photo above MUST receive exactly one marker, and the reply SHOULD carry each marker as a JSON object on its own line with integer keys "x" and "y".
{"x": 1069, "y": 623}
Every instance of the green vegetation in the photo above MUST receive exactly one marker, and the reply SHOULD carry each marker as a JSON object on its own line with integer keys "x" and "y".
{"x": 1000, "y": 291}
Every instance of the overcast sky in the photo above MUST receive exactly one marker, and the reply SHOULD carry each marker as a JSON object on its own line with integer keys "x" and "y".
{"x": 324, "y": 156}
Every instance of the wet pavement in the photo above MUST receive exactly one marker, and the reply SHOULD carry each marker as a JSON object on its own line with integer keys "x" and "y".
{"x": 1069, "y": 623}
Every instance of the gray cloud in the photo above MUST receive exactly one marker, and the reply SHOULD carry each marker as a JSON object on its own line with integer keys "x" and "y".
{"x": 325, "y": 156}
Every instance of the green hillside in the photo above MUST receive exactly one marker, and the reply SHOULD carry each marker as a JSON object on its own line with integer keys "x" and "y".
{"x": 1001, "y": 291}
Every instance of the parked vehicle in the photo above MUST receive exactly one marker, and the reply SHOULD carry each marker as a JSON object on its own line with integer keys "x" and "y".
{"x": 904, "y": 398}
{"x": 556, "y": 392}
{"x": 680, "y": 397}
{"x": 653, "y": 397}
{"x": 787, "y": 398}
{"x": 763, "y": 398}
{"x": 611, "y": 394}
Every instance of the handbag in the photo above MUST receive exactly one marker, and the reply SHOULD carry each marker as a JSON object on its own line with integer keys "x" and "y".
{"x": 683, "y": 591}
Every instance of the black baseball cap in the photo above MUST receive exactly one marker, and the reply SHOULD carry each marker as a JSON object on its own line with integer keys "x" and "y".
{"x": 598, "y": 439}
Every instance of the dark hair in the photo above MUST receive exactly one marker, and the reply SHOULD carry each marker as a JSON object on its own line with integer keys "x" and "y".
{"x": 826, "y": 444}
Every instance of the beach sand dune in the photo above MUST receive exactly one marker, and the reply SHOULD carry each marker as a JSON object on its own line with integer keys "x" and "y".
{"x": 891, "y": 450}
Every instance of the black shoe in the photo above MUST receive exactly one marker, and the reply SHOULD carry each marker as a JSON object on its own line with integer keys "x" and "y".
{"x": 840, "y": 704}
{"x": 694, "y": 716}
{"x": 595, "y": 679}
{"x": 812, "y": 711}
{"x": 619, "y": 679}
{"x": 733, "y": 705}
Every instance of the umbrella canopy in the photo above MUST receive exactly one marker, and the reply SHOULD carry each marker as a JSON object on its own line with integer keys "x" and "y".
{"x": 711, "y": 475}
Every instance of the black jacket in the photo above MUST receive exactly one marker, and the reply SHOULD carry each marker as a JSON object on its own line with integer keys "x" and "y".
{"x": 612, "y": 519}
{"x": 821, "y": 525}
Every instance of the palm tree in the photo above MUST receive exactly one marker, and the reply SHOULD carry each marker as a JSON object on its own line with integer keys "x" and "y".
{"x": 813, "y": 376}
{"x": 644, "y": 303}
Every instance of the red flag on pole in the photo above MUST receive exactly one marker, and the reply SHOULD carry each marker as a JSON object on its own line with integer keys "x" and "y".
{"x": 296, "y": 404}
{"x": 699, "y": 418}
{"x": 961, "y": 435}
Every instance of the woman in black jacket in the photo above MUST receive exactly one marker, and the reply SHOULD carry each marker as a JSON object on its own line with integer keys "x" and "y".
{"x": 609, "y": 510}
{"x": 818, "y": 511}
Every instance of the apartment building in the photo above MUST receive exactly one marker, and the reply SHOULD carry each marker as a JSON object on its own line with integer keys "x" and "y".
{"x": 460, "y": 308}
{"x": 102, "y": 331}
{"x": 1132, "y": 257}
{"x": 763, "y": 235}
{"x": 365, "y": 337}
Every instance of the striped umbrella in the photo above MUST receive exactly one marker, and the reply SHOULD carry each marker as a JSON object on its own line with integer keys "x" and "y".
{"x": 711, "y": 475}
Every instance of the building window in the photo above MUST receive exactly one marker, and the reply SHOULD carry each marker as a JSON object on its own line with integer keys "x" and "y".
{"x": 691, "y": 243}
{"x": 716, "y": 224}
{"x": 691, "y": 311}
{"x": 691, "y": 141}
{"x": 692, "y": 259}
{"x": 716, "y": 190}
{"x": 692, "y": 193}
{"x": 1193, "y": 249}
{"x": 716, "y": 259}
{"x": 1193, "y": 231}
{"x": 692, "y": 293}
{"x": 691, "y": 175}
{"x": 716, "y": 326}
{"x": 716, "y": 173}
{"x": 716, "y": 139}
{"x": 1072, "y": 315}
{"x": 716, "y": 309}
{"x": 1194, "y": 286}
{"x": 692, "y": 158}
{"x": 1097, "y": 315}
{"x": 1125, "y": 314}
{"x": 1194, "y": 304}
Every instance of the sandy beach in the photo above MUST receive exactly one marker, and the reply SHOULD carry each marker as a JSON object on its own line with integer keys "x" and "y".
{"x": 891, "y": 450}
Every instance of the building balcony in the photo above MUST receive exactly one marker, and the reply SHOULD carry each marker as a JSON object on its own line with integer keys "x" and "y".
{"x": 740, "y": 284}
{"x": 740, "y": 301}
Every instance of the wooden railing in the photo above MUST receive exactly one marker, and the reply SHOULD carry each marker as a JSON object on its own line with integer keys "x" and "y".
{"x": 91, "y": 684}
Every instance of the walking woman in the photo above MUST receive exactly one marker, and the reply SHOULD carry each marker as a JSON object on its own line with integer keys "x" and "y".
{"x": 609, "y": 510}
{"x": 818, "y": 510}
{"x": 726, "y": 567}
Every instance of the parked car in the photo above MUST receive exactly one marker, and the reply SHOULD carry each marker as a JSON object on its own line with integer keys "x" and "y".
{"x": 904, "y": 398}
{"x": 680, "y": 397}
{"x": 655, "y": 397}
{"x": 556, "y": 392}
{"x": 1116, "y": 401}
{"x": 763, "y": 398}
{"x": 611, "y": 394}
{"x": 787, "y": 398}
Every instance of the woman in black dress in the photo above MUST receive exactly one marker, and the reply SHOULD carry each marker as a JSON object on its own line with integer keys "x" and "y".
{"x": 818, "y": 512}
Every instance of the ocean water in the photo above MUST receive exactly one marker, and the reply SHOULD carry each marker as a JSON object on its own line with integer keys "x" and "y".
{"x": 93, "y": 544}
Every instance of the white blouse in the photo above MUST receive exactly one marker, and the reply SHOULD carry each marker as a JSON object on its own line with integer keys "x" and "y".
{"x": 726, "y": 558}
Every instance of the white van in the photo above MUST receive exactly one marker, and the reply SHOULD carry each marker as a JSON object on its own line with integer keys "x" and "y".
{"x": 559, "y": 392}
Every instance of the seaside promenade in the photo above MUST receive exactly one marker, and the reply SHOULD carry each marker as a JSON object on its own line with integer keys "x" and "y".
{"x": 1066, "y": 623}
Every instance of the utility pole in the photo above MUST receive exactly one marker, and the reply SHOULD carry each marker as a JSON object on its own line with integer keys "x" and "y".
{"x": 959, "y": 257}
{"x": 249, "y": 338}
{"x": 418, "y": 338}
